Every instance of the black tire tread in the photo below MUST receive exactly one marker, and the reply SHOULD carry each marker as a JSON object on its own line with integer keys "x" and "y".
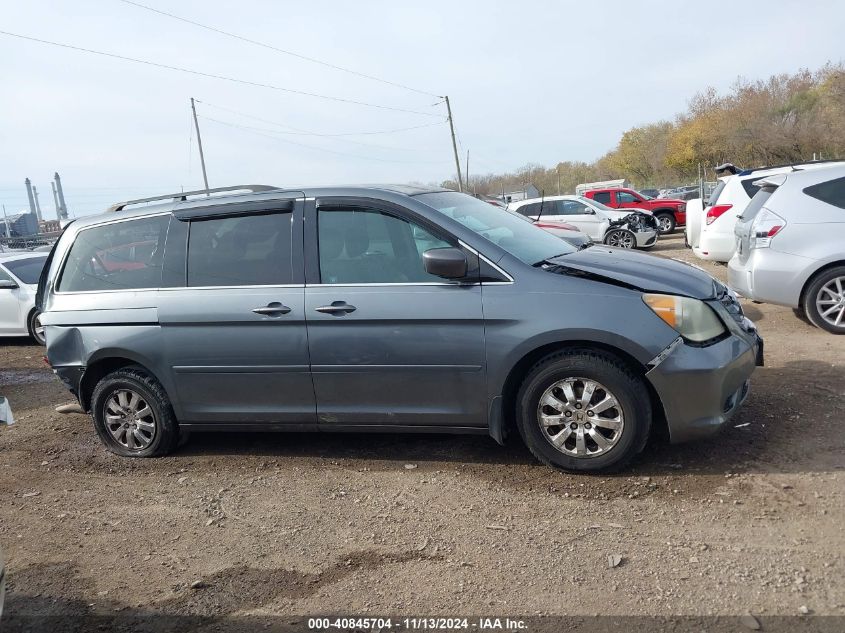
{"x": 169, "y": 427}
{"x": 601, "y": 358}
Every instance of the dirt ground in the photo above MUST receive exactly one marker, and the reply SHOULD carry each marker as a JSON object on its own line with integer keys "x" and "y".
{"x": 303, "y": 524}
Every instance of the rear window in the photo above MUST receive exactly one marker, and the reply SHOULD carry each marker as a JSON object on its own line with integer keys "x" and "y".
{"x": 757, "y": 203}
{"x": 832, "y": 192}
{"x": 750, "y": 188}
{"x": 714, "y": 196}
{"x": 119, "y": 256}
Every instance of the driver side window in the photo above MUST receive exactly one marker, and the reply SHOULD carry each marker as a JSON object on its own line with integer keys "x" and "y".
{"x": 362, "y": 246}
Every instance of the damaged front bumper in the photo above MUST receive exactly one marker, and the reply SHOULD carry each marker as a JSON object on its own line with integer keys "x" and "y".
{"x": 702, "y": 388}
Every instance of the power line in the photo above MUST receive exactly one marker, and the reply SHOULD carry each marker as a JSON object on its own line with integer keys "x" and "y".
{"x": 343, "y": 140}
{"x": 279, "y": 50}
{"x": 320, "y": 149}
{"x": 245, "y": 82}
{"x": 302, "y": 132}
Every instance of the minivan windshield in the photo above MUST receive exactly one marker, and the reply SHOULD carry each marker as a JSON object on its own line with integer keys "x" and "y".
{"x": 521, "y": 239}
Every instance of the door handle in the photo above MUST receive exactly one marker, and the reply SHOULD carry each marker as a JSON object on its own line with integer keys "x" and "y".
{"x": 337, "y": 307}
{"x": 272, "y": 309}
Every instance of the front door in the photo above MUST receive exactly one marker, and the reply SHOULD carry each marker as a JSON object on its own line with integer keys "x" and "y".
{"x": 390, "y": 344}
{"x": 234, "y": 327}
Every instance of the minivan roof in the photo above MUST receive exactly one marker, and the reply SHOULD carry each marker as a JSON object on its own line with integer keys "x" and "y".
{"x": 172, "y": 202}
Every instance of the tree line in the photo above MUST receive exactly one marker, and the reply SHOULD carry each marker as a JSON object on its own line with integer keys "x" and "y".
{"x": 783, "y": 119}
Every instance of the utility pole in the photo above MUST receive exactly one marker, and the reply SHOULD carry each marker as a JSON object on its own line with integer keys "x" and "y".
{"x": 466, "y": 174}
{"x": 6, "y": 220}
{"x": 199, "y": 143}
{"x": 454, "y": 143}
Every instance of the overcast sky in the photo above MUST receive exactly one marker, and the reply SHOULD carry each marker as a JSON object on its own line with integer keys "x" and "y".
{"x": 529, "y": 81}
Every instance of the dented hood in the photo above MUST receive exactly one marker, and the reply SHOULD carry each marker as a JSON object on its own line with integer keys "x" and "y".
{"x": 638, "y": 270}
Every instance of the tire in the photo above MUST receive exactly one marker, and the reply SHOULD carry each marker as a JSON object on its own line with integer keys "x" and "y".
{"x": 621, "y": 238}
{"x": 799, "y": 312}
{"x": 611, "y": 377}
{"x": 665, "y": 223}
{"x": 156, "y": 433}
{"x": 36, "y": 330}
{"x": 824, "y": 300}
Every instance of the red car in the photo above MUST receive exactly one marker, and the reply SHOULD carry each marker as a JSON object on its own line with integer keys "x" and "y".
{"x": 668, "y": 213}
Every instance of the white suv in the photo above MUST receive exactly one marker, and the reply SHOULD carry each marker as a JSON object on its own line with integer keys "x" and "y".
{"x": 716, "y": 241}
{"x": 791, "y": 245}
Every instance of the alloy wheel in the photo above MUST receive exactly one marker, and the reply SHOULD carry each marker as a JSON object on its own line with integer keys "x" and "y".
{"x": 130, "y": 420}
{"x": 580, "y": 417}
{"x": 664, "y": 223}
{"x": 622, "y": 239}
{"x": 38, "y": 330}
{"x": 830, "y": 302}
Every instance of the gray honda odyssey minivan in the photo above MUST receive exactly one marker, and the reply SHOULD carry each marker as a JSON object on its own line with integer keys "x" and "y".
{"x": 391, "y": 308}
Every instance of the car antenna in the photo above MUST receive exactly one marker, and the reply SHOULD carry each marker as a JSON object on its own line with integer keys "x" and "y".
{"x": 542, "y": 201}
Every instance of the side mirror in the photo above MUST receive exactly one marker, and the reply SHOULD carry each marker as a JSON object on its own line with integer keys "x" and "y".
{"x": 449, "y": 263}
{"x": 7, "y": 284}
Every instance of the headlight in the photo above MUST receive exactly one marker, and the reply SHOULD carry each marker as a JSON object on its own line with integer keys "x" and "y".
{"x": 691, "y": 318}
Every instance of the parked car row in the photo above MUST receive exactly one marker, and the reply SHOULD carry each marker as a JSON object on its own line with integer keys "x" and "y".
{"x": 798, "y": 259}
{"x": 790, "y": 244}
{"x": 385, "y": 308}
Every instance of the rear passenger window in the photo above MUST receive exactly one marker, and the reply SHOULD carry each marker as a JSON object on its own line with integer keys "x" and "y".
{"x": 832, "y": 192}
{"x": 248, "y": 250}
{"x": 119, "y": 256}
{"x": 602, "y": 196}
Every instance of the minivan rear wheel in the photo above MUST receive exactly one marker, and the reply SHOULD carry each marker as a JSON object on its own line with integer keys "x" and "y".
{"x": 36, "y": 330}
{"x": 824, "y": 300}
{"x": 583, "y": 410}
{"x": 132, "y": 414}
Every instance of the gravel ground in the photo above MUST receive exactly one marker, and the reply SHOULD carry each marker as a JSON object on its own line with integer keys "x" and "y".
{"x": 300, "y": 524}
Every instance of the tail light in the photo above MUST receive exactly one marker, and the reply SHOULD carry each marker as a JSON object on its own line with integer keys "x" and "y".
{"x": 715, "y": 211}
{"x": 765, "y": 226}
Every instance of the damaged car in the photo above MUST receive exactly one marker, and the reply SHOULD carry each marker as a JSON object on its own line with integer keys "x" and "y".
{"x": 623, "y": 228}
{"x": 392, "y": 308}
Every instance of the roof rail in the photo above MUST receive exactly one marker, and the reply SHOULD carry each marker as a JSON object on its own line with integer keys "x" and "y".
{"x": 746, "y": 172}
{"x": 183, "y": 195}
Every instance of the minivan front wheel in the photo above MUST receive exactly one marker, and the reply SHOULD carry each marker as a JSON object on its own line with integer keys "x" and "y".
{"x": 824, "y": 301}
{"x": 132, "y": 414}
{"x": 621, "y": 238}
{"x": 583, "y": 411}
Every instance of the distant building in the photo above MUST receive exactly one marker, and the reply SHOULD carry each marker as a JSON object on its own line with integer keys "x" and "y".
{"x": 49, "y": 226}
{"x": 20, "y": 225}
{"x": 530, "y": 191}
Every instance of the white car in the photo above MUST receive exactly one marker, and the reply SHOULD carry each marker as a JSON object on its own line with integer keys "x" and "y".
{"x": 19, "y": 273}
{"x": 791, "y": 245}
{"x": 626, "y": 228}
{"x": 717, "y": 241}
